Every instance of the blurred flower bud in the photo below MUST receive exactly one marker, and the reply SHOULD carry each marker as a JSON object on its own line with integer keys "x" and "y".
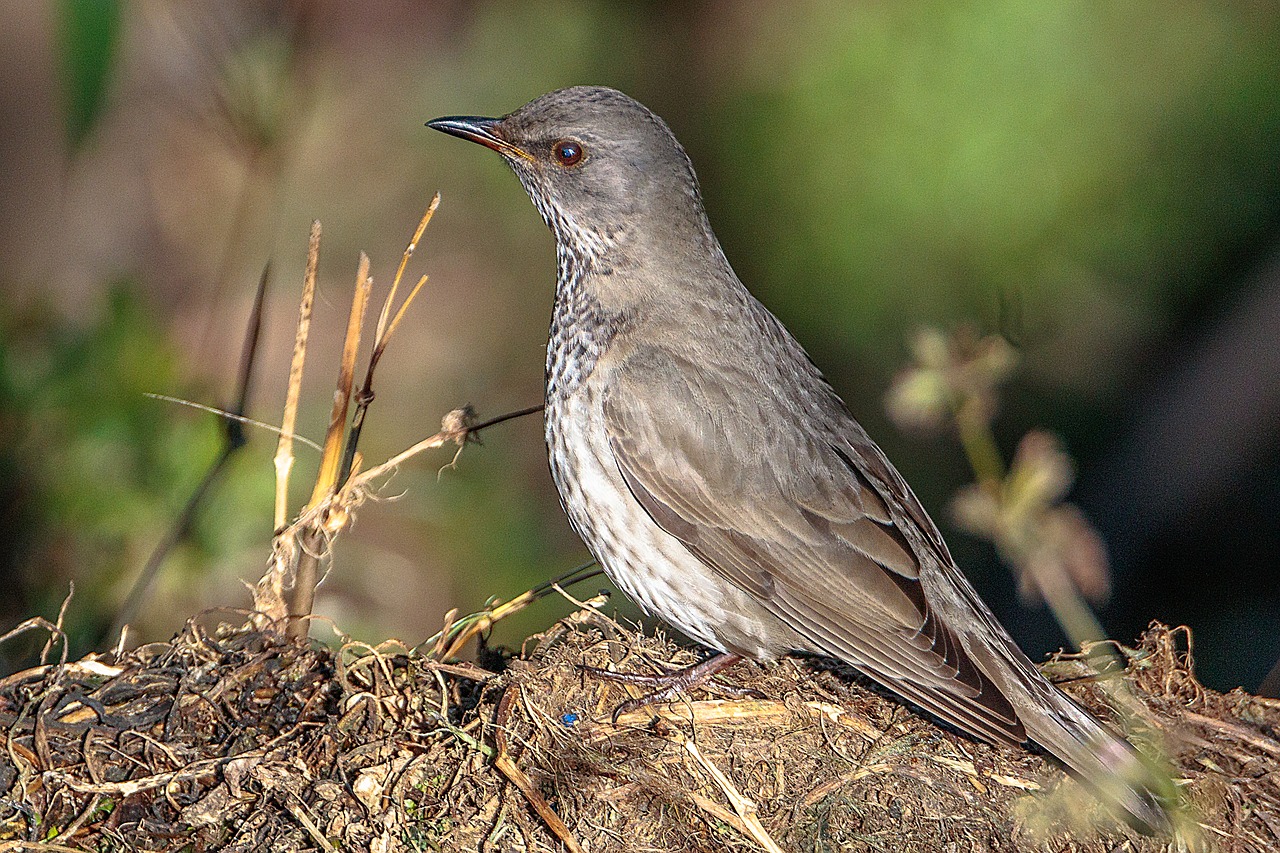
{"x": 950, "y": 374}
{"x": 1046, "y": 542}
{"x": 919, "y": 398}
{"x": 1076, "y": 551}
{"x": 1041, "y": 474}
{"x": 976, "y": 511}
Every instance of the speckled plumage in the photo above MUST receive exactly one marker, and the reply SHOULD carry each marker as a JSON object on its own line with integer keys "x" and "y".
{"x": 716, "y": 475}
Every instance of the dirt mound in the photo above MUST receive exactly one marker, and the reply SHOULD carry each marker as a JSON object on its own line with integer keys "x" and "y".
{"x": 233, "y": 739}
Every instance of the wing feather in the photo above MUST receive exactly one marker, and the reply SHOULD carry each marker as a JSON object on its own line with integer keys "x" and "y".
{"x": 815, "y": 529}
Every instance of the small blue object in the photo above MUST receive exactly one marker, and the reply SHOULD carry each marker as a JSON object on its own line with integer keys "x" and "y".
{"x": 568, "y": 720}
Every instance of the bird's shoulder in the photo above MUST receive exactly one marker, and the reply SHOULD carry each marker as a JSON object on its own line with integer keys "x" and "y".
{"x": 696, "y": 420}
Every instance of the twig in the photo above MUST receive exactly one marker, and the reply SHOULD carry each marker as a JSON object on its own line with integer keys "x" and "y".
{"x": 384, "y": 331}
{"x": 298, "y": 809}
{"x": 713, "y": 712}
{"x": 742, "y": 806}
{"x": 484, "y": 621}
{"x": 1252, "y": 738}
{"x": 719, "y": 812}
{"x": 437, "y": 650}
{"x": 509, "y": 416}
{"x": 471, "y": 672}
{"x": 306, "y": 575}
{"x": 248, "y": 358}
{"x": 70, "y": 830}
{"x": 826, "y": 789}
{"x": 227, "y": 414}
{"x": 512, "y": 771}
{"x": 456, "y": 428}
{"x": 195, "y": 771}
{"x": 55, "y": 631}
{"x": 59, "y": 630}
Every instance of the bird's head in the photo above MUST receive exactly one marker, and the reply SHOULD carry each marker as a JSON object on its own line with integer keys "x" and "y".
{"x": 594, "y": 161}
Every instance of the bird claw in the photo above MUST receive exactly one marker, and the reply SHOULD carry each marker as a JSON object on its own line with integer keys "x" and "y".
{"x": 671, "y": 684}
{"x": 636, "y": 678}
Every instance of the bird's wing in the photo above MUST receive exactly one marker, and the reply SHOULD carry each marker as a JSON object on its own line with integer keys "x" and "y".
{"x": 804, "y": 525}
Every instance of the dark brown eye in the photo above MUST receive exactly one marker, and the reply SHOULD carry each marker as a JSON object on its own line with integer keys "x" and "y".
{"x": 568, "y": 152}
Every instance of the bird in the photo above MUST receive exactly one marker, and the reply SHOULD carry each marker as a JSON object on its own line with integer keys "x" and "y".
{"x": 719, "y": 479}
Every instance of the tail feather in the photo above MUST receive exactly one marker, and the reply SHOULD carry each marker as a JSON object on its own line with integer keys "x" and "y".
{"x": 1106, "y": 763}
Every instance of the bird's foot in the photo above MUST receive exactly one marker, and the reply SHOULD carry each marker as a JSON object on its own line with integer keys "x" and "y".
{"x": 669, "y": 685}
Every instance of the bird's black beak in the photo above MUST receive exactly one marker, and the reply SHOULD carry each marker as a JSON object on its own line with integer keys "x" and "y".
{"x": 478, "y": 129}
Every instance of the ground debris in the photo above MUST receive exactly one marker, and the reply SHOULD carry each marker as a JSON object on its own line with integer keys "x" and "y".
{"x": 235, "y": 739}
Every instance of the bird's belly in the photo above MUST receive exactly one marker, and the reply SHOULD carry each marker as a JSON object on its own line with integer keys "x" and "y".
{"x": 652, "y": 567}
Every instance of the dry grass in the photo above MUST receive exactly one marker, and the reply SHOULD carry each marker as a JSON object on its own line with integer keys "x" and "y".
{"x": 235, "y": 739}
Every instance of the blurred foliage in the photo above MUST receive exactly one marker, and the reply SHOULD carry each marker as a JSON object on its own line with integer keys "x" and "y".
{"x": 937, "y": 160}
{"x": 98, "y": 470}
{"x": 1056, "y": 555}
{"x": 88, "y": 33}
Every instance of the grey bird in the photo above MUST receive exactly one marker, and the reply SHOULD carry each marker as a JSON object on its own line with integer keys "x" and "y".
{"x": 718, "y": 478}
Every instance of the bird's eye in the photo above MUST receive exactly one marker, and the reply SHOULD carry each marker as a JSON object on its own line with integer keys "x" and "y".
{"x": 568, "y": 152}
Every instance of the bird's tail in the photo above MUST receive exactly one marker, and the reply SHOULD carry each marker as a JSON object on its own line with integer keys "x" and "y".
{"x": 1106, "y": 763}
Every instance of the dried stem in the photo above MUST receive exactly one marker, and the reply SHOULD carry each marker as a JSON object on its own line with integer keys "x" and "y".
{"x": 311, "y": 542}
{"x": 382, "y": 336}
{"x": 327, "y": 479}
{"x": 507, "y": 765}
{"x": 340, "y": 486}
{"x": 284, "y": 449}
{"x": 456, "y": 633}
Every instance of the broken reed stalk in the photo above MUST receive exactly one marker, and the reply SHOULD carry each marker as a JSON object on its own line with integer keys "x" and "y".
{"x": 382, "y": 336}
{"x": 330, "y": 461}
{"x": 284, "y": 449}
{"x": 339, "y": 487}
{"x": 312, "y": 541}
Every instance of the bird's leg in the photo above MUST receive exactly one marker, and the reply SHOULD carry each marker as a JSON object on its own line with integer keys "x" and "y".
{"x": 671, "y": 684}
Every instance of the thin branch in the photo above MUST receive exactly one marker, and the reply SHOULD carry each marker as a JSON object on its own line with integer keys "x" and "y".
{"x": 509, "y": 416}
{"x": 231, "y": 416}
{"x": 456, "y": 633}
{"x": 744, "y": 807}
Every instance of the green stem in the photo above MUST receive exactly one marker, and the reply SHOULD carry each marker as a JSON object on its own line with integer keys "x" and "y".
{"x": 980, "y": 447}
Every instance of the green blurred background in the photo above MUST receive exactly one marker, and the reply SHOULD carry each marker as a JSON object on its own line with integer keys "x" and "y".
{"x": 1098, "y": 182}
